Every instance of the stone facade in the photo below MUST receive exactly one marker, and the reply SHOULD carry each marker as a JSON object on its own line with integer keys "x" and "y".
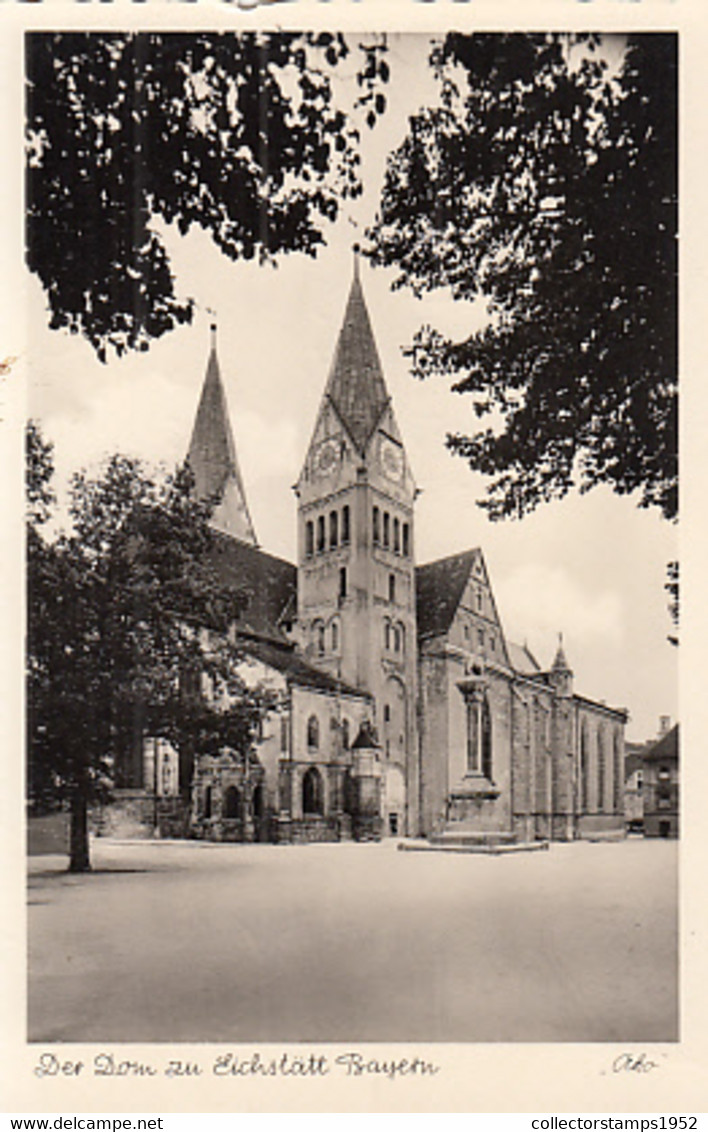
{"x": 661, "y": 788}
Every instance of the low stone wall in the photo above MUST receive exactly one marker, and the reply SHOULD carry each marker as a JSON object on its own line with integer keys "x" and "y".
{"x": 600, "y": 827}
{"x": 314, "y": 829}
{"x": 133, "y": 815}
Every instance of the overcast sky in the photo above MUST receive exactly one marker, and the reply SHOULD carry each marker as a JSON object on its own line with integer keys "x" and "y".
{"x": 591, "y": 567}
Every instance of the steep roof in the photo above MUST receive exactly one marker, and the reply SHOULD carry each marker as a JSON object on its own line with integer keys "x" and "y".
{"x": 439, "y": 587}
{"x": 356, "y": 385}
{"x": 268, "y": 584}
{"x": 665, "y": 748}
{"x": 212, "y": 456}
{"x": 522, "y": 659}
{"x": 295, "y": 668}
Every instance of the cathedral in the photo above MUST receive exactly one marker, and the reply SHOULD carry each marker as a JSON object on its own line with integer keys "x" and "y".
{"x": 402, "y": 709}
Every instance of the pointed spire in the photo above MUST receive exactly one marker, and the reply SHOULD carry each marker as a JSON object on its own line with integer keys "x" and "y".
{"x": 560, "y": 664}
{"x": 212, "y": 456}
{"x": 356, "y": 386}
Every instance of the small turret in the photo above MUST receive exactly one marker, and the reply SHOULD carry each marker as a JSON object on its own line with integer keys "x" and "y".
{"x": 561, "y": 674}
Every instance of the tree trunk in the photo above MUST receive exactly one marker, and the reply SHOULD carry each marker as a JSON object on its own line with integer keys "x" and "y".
{"x": 78, "y": 837}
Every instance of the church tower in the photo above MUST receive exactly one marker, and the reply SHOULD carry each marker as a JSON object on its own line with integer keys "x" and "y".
{"x": 356, "y": 572}
{"x": 212, "y": 457}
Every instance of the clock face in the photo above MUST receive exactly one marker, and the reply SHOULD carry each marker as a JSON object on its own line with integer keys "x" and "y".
{"x": 391, "y": 460}
{"x": 326, "y": 458}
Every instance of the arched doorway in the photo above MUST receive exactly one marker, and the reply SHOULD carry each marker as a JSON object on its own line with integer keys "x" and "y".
{"x": 232, "y": 803}
{"x": 312, "y": 793}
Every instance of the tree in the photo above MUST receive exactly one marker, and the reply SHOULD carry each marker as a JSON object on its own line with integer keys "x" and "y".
{"x": 546, "y": 185}
{"x": 122, "y": 610}
{"x": 239, "y": 134}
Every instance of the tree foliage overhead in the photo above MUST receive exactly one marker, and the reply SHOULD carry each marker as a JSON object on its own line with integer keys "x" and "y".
{"x": 126, "y": 617}
{"x": 239, "y": 134}
{"x": 547, "y": 184}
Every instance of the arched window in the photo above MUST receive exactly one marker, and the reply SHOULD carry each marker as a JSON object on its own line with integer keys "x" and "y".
{"x": 618, "y": 779}
{"x": 321, "y": 642}
{"x": 401, "y": 638}
{"x": 392, "y": 587}
{"x": 376, "y": 533}
{"x": 396, "y": 536}
{"x": 207, "y": 802}
{"x": 312, "y": 792}
{"x": 345, "y": 734}
{"x": 584, "y": 768}
{"x": 600, "y": 771}
{"x": 309, "y": 539}
{"x": 320, "y": 534}
{"x": 232, "y": 803}
{"x": 387, "y": 634}
{"x": 406, "y": 540}
{"x": 335, "y": 636}
{"x": 313, "y": 732}
{"x": 342, "y": 581}
{"x": 386, "y": 529}
{"x": 396, "y": 639}
{"x": 345, "y": 525}
{"x": 333, "y": 529}
{"x": 479, "y": 736}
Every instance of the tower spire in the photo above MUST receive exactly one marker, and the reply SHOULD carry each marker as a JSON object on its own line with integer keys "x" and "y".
{"x": 212, "y": 456}
{"x": 356, "y": 385}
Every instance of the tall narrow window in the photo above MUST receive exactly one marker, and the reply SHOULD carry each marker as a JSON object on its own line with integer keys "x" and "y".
{"x": 396, "y": 536}
{"x": 406, "y": 540}
{"x": 486, "y": 739}
{"x": 345, "y": 734}
{"x": 376, "y": 530}
{"x": 313, "y": 733}
{"x": 345, "y": 525}
{"x": 333, "y": 529}
{"x": 335, "y": 636}
{"x": 342, "y": 581}
{"x": 320, "y": 534}
{"x": 479, "y": 736}
{"x": 207, "y": 802}
{"x": 321, "y": 642}
{"x": 387, "y": 634}
{"x": 472, "y": 736}
{"x": 392, "y": 587}
{"x": 386, "y": 529}
{"x": 396, "y": 639}
{"x": 309, "y": 539}
{"x": 284, "y": 729}
{"x": 618, "y": 779}
{"x": 584, "y": 768}
{"x": 600, "y": 771}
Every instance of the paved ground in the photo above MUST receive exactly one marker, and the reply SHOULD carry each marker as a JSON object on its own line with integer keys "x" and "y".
{"x": 193, "y": 942}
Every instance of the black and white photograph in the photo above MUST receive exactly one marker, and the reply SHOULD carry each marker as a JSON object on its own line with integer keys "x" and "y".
{"x": 352, "y": 618}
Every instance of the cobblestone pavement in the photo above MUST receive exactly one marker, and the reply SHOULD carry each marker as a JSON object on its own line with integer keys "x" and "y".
{"x": 194, "y": 942}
